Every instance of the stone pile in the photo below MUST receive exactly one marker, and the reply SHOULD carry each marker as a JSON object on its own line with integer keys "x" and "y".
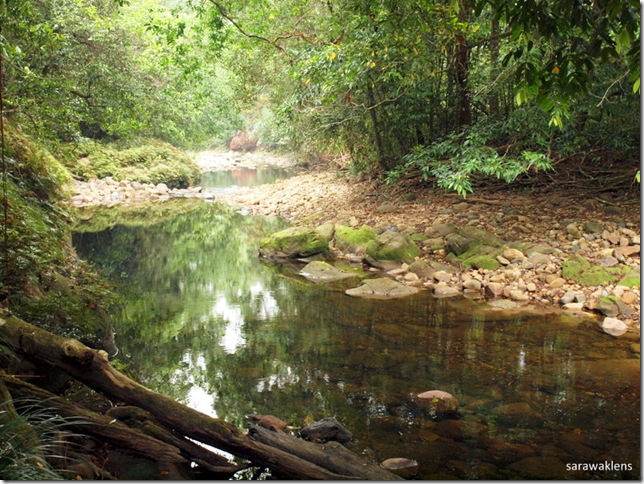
{"x": 109, "y": 192}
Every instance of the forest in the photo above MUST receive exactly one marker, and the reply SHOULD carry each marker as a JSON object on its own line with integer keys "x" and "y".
{"x": 448, "y": 97}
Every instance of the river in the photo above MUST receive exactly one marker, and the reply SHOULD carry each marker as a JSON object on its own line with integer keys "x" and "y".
{"x": 541, "y": 396}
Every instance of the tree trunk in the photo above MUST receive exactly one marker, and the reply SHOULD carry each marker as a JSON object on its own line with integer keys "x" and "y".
{"x": 462, "y": 70}
{"x": 92, "y": 368}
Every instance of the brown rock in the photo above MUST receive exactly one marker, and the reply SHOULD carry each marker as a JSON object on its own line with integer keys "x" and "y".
{"x": 627, "y": 250}
{"x": 494, "y": 289}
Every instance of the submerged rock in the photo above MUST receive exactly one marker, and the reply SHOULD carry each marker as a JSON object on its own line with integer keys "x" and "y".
{"x": 320, "y": 271}
{"x": 405, "y": 468}
{"x": 518, "y": 414}
{"x": 325, "y": 430}
{"x": 382, "y": 288}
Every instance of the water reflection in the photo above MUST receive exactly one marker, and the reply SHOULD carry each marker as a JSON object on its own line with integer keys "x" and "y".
{"x": 241, "y": 177}
{"x": 208, "y": 324}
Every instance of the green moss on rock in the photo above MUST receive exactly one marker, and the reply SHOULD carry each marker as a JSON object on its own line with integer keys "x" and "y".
{"x": 392, "y": 245}
{"x": 348, "y": 239}
{"x": 293, "y": 242}
{"x": 632, "y": 279}
{"x": 482, "y": 262}
{"x": 574, "y": 266}
{"x": 580, "y": 270}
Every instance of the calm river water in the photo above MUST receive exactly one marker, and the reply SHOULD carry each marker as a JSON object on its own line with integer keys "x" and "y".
{"x": 205, "y": 322}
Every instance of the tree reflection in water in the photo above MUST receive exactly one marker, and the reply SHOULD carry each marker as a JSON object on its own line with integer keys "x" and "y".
{"x": 208, "y": 324}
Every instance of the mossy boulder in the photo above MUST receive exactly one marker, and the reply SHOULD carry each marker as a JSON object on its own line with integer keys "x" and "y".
{"x": 608, "y": 306}
{"x": 382, "y": 288}
{"x": 574, "y": 266}
{"x": 392, "y": 245}
{"x": 481, "y": 257}
{"x": 348, "y": 239}
{"x": 320, "y": 271}
{"x": 465, "y": 238}
{"x": 482, "y": 262}
{"x": 292, "y": 243}
{"x": 580, "y": 270}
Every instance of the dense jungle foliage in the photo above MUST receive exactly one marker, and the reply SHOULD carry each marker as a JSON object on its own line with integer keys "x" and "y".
{"x": 446, "y": 90}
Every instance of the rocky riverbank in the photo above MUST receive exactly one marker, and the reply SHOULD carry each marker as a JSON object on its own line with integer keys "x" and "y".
{"x": 559, "y": 249}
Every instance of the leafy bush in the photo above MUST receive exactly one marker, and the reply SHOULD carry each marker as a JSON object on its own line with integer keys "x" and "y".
{"x": 454, "y": 162}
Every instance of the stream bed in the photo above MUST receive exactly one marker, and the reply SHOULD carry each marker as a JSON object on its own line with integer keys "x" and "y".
{"x": 541, "y": 396}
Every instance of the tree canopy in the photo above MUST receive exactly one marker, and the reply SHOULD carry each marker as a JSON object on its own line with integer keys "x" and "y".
{"x": 453, "y": 88}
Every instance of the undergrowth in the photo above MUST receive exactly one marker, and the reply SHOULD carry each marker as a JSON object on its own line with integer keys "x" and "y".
{"x": 144, "y": 161}
{"x": 32, "y": 440}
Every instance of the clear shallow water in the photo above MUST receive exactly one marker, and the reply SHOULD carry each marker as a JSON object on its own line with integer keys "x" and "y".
{"x": 225, "y": 180}
{"x": 206, "y": 323}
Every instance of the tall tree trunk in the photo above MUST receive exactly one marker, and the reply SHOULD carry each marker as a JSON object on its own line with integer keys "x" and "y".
{"x": 380, "y": 148}
{"x": 461, "y": 70}
{"x": 493, "y": 99}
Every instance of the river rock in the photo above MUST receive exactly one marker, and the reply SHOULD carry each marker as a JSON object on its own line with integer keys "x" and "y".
{"x": 494, "y": 290}
{"x": 461, "y": 430}
{"x": 242, "y": 141}
{"x": 326, "y": 230}
{"x": 572, "y": 296}
{"x": 542, "y": 467}
{"x": 292, "y": 243}
{"x": 349, "y": 239}
{"x": 382, "y": 288}
{"x": 626, "y": 251}
{"x": 392, "y": 245}
{"x": 505, "y": 452}
{"x": 518, "y": 414}
{"x": 614, "y": 326}
{"x": 421, "y": 268}
{"x": 320, "y": 271}
{"x": 593, "y": 227}
{"x": 438, "y": 403}
{"x": 443, "y": 290}
{"x": 472, "y": 284}
{"x": 405, "y": 468}
{"x": 608, "y": 306}
{"x": 512, "y": 254}
{"x": 326, "y": 430}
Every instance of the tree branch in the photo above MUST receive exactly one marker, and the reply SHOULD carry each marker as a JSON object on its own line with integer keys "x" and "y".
{"x": 224, "y": 13}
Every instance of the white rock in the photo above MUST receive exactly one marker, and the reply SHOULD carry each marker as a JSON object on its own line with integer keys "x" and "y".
{"x": 614, "y": 326}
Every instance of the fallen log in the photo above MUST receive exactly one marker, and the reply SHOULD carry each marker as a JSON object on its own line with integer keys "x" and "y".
{"x": 92, "y": 368}
{"x": 332, "y": 455}
{"x": 99, "y": 426}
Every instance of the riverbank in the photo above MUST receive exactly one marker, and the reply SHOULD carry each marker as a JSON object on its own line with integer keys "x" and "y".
{"x": 604, "y": 231}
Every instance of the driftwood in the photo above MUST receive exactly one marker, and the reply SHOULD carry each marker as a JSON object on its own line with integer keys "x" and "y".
{"x": 106, "y": 429}
{"x": 93, "y": 369}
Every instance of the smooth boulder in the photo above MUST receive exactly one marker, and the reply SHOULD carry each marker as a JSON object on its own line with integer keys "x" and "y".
{"x": 382, "y": 288}
{"x": 320, "y": 271}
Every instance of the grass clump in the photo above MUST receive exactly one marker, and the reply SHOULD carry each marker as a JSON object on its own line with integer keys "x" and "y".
{"x": 30, "y": 440}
